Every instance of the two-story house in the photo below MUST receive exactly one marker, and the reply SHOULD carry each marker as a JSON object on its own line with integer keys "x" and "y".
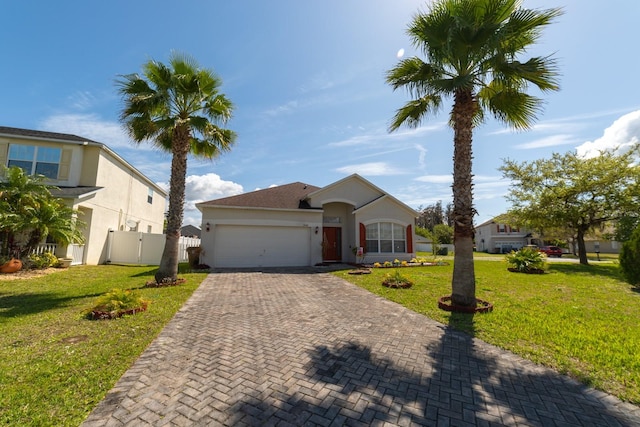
{"x": 495, "y": 237}
{"x": 108, "y": 192}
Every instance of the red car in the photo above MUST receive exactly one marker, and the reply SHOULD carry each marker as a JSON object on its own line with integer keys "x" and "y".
{"x": 551, "y": 250}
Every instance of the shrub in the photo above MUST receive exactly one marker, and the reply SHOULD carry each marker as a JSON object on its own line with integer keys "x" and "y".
{"x": 396, "y": 280}
{"x": 526, "y": 260}
{"x": 630, "y": 258}
{"x": 116, "y": 302}
{"x": 40, "y": 261}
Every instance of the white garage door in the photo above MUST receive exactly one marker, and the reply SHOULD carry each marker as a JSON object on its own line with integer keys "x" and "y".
{"x": 259, "y": 246}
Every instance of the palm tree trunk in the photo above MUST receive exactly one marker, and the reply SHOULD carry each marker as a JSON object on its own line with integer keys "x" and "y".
{"x": 168, "y": 269}
{"x": 463, "y": 286}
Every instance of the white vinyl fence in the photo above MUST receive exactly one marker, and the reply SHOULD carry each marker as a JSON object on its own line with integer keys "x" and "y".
{"x": 133, "y": 247}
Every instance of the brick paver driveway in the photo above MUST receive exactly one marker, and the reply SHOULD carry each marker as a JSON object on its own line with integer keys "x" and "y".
{"x": 298, "y": 348}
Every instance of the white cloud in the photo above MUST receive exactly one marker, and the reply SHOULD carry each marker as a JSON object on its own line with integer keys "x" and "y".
{"x": 436, "y": 179}
{"x": 90, "y": 126}
{"x": 623, "y": 133}
{"x": 549, "y": 141}
{"x": 201, "y": 188}
{"x": 370, "y": 169}
{"x": 382, "y": 135}
{"x": 422, "y": 153}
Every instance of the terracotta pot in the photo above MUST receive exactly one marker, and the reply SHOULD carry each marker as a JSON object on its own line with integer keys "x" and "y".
{"x": 11, "y": 266}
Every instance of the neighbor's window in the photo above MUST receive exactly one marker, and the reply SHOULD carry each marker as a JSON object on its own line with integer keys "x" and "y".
{"x": 150, "y": 195}
{"x": 35, "y": 160}
{"x": 386, "y": 237}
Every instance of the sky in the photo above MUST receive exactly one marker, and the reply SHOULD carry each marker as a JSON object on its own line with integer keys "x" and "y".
{"x": 307, "y": 79}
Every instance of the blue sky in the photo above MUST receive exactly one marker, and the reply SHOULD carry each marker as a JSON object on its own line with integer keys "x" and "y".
{"x": 307, "y": 80}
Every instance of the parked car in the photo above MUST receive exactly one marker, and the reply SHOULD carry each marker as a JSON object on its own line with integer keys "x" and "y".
{"x": 551, "y": 250}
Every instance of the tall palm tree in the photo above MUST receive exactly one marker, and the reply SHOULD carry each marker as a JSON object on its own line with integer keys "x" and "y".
{"x": 178, "y": 108}
{"x": 472, "y": 50}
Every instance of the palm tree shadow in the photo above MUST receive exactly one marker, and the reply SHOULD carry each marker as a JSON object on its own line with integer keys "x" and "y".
{"x": 15, "y": 305}
{"x": 455, "y": 379}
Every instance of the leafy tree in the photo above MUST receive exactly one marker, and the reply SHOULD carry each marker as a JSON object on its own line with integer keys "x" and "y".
{"x": 178, "y": 108}
{"x": 625, "y": 226}
{"x": 574, "y": 193}
{"x": 431, "y": 216}
{"x": 29, "y": 214}
{"x": 630, "y": 258}
{"x": 443, "y": 234}
{"x": 472, "y": 50}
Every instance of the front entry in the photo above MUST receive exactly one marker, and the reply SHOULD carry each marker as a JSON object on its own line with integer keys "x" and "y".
{"x": 331, "y": 244}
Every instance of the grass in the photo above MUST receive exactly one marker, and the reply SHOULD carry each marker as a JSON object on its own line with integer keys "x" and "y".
{"x": 55, "y": 365}
{"x": 583, "y": 321}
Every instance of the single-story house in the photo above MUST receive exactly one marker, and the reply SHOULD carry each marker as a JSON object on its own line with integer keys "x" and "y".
{"x": 298, "y": 224}
{"x": 107, "y": 191}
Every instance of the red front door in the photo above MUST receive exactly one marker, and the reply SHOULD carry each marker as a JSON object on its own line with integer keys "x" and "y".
{"x": 331, "y": 244}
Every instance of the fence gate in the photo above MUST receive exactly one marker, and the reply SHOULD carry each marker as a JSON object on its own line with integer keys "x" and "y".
{"x": 132, "y": 247}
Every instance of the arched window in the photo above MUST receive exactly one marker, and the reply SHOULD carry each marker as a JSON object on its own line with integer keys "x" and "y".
{"x": 386, "y": 237}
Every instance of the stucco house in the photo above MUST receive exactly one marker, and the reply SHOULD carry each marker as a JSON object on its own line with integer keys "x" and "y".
{"x": 302, "y": 225}
{"x": 495, "y": 237}
{"x": 109, "y": 192}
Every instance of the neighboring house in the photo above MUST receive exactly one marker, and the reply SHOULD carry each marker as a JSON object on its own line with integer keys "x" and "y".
{"x": 190, "y": 231}
{"x": 494, "y": 237}
{"x": 302, "y": 225}
{"x": 109, "y": 193}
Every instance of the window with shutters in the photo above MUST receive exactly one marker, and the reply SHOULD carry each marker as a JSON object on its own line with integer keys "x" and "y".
{"x": 386, "y": 237}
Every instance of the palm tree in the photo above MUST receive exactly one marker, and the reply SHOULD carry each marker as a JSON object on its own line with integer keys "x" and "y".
{"x": 472, "y": 49}
{"x": 178, "y": 108}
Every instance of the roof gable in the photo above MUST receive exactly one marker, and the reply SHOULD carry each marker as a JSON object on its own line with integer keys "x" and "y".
{"x": 289, "y": 196}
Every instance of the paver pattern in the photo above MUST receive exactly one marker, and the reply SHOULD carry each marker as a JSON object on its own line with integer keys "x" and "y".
{"x": 293, "y": 348}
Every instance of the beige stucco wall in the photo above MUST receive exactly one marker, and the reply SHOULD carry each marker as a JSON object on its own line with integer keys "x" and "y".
{"x": 386, "y": 209}
{"x": 352, "y": 191}
{"x": 122, "y": 198}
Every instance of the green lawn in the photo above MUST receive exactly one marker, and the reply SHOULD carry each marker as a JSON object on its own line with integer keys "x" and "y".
{"x": 55, "y": 365}
{"x": 583, "y": 321}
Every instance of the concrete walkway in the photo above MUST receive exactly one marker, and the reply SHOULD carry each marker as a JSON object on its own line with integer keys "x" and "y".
{"x": 301, "y": 348}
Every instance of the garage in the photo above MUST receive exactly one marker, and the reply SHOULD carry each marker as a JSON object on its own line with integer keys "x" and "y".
{"x": 261, "y": 246}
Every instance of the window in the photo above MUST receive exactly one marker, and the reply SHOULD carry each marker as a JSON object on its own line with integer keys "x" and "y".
{"x": 150, "y": 195}
{"x": 386, "y": 237}
{"x": 35, "y": 160}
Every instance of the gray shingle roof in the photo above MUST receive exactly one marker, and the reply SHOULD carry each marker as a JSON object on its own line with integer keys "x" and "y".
{"x": 289, "y": 196}
{"x": 5, "y": 130}
{"x": 73, "y": 192}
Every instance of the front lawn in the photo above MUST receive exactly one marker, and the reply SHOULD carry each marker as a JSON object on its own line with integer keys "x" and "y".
{"x": 55, "y": 365}
{"x": 583, "y": 321}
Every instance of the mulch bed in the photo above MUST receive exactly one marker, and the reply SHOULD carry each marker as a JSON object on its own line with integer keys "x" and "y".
{"x": 482, "y": 306}
{"x": 164, "y": 284}
{"x": 105, "y": 315}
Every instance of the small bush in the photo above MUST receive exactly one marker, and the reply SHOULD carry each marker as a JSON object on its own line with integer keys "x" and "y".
{"x": 396, "y": 280}
{"x": 527, "y": 260}
{"x": 630, "y": 258}
{"x": 41, "y": 261}
{"x": 117, "y": 301}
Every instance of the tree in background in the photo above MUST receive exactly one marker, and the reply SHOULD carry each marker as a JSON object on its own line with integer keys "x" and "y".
{"x": 573, "y": 193}
{"x": 472, "y": 50}
{"x": 630, "y": 258}
{"x": 178, "y": 108}
{"x": 29, "y": 214}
